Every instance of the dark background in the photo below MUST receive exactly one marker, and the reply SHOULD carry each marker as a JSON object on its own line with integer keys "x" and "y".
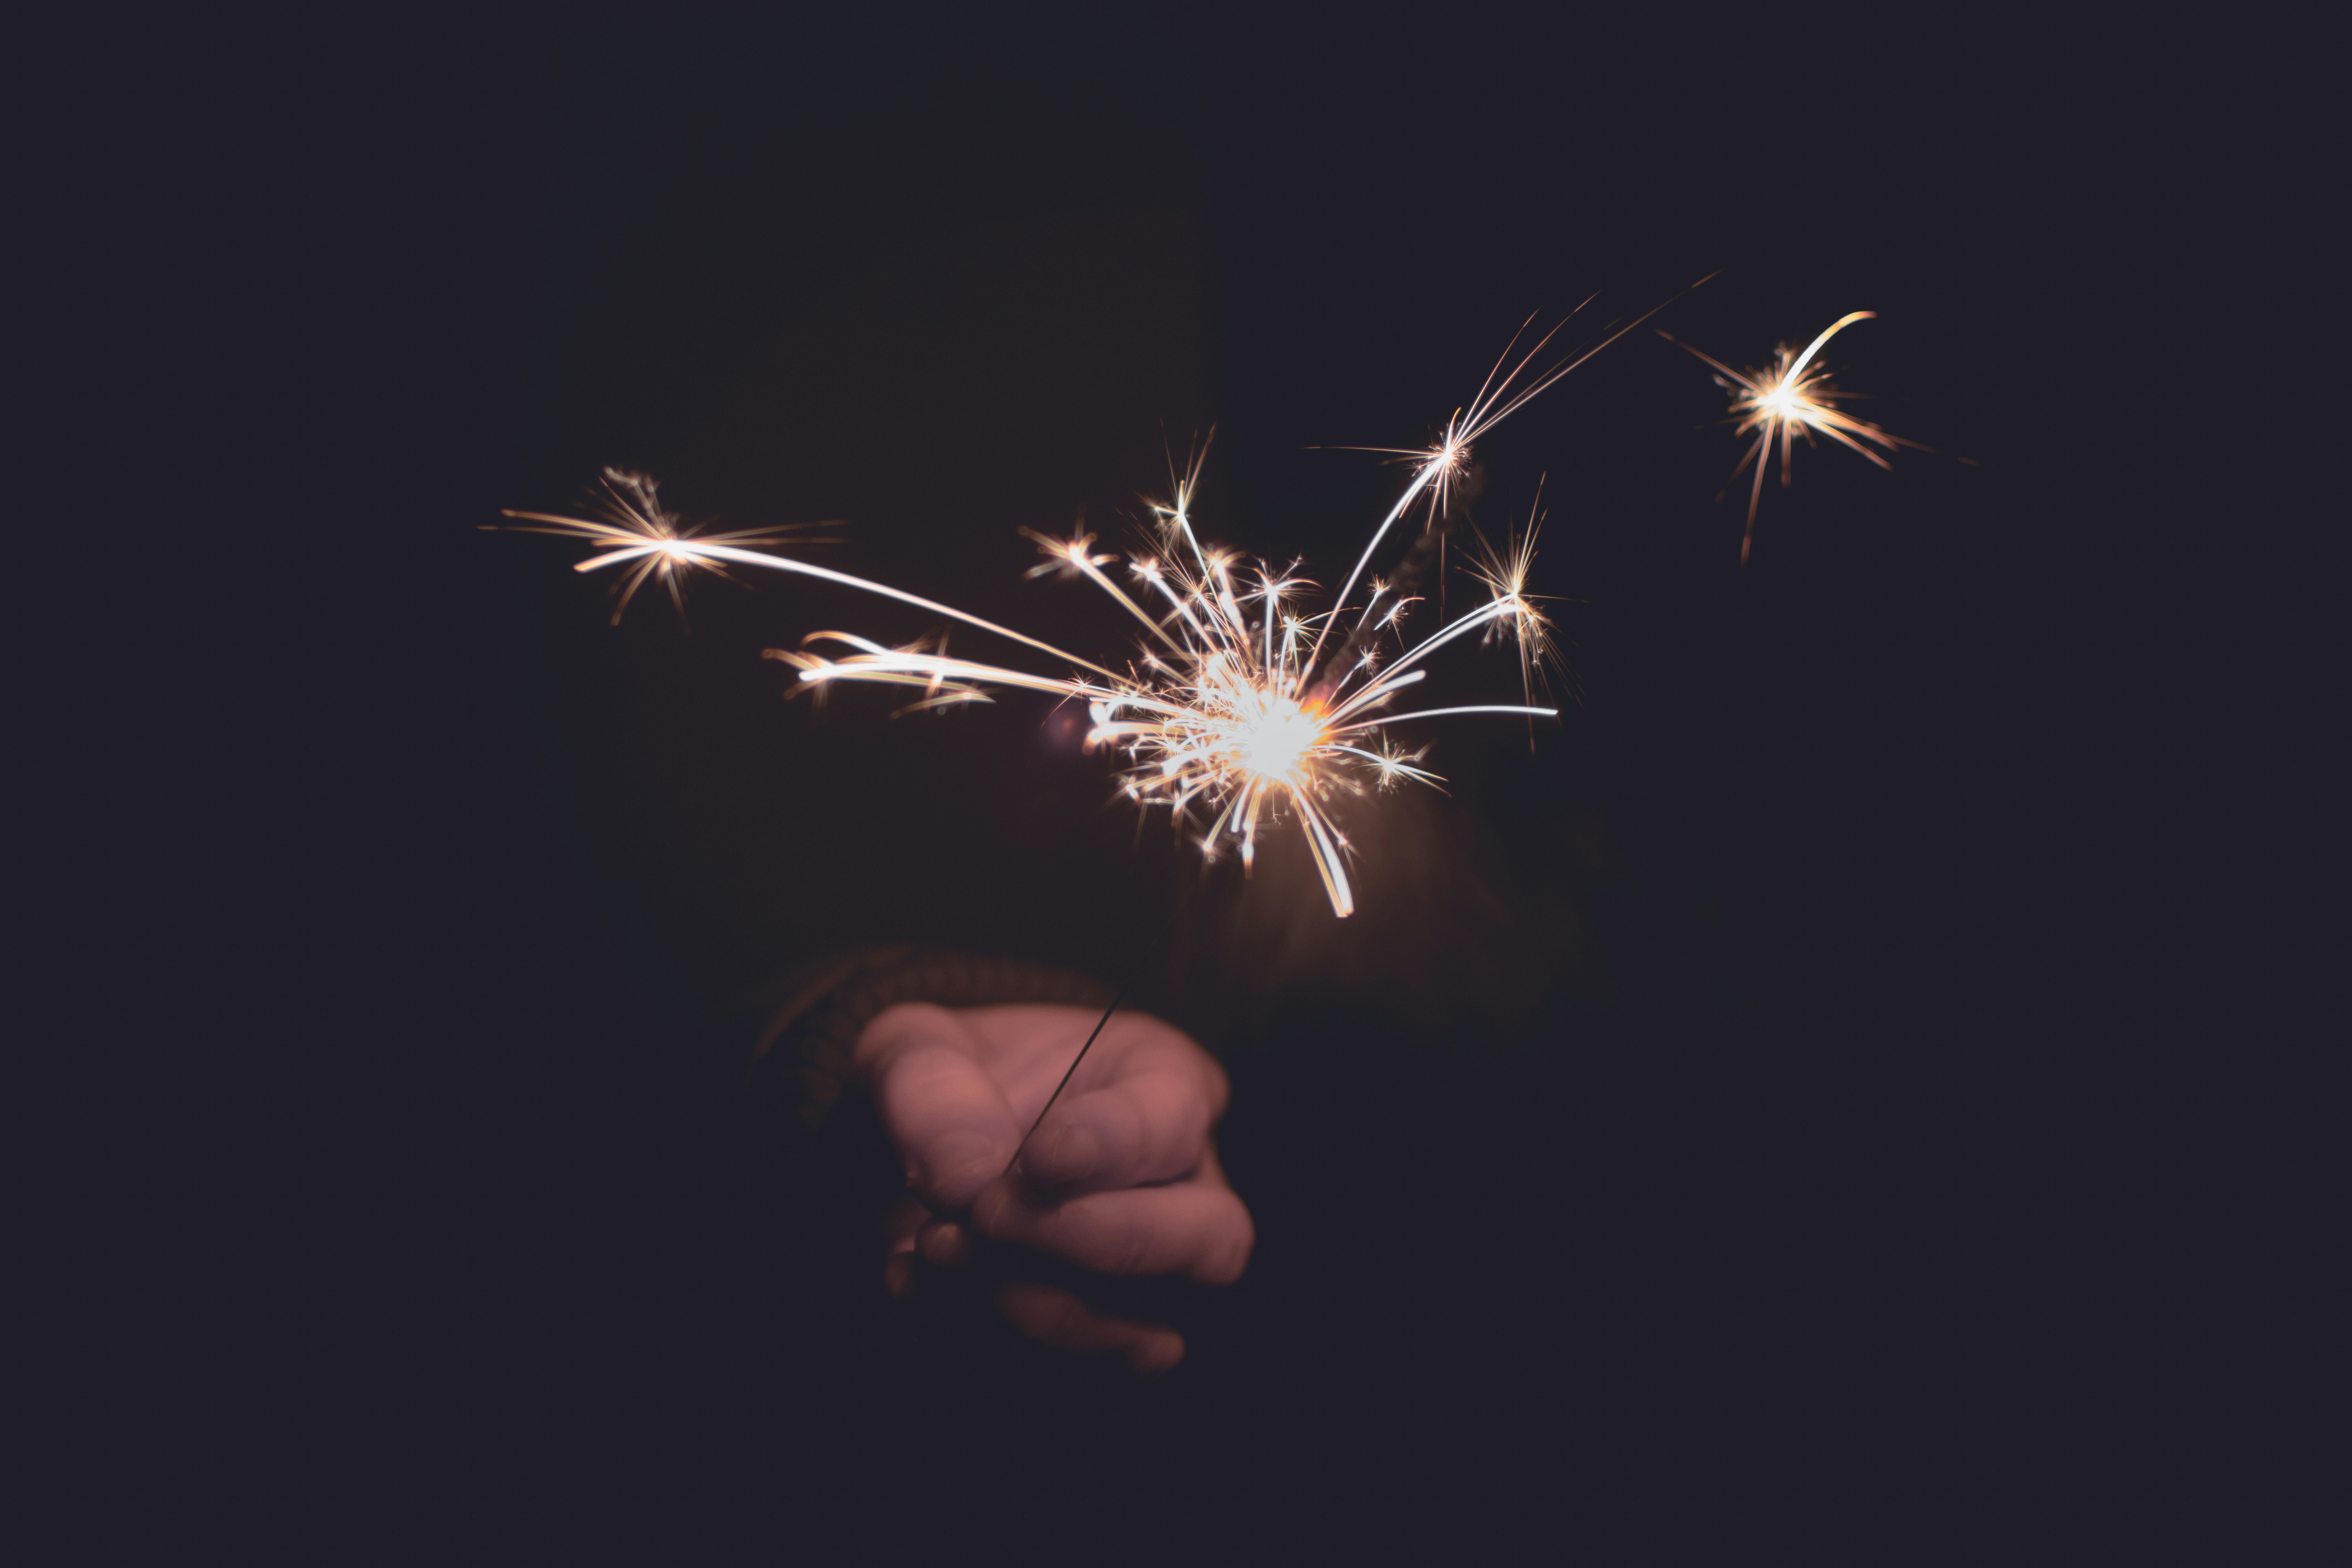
{"x": 1806, "y": 1099}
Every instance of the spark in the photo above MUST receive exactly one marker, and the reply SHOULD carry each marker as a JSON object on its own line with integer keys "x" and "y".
{"x": 1227, "y": 712}
{"x": 1505, "y": 573}
{"x": 638, "y": 529}
{"x": 1439, "y": 465}
{"x": 643, "y": 534}
{"x": 1789, "y": 398}
{"x": 1216, "y": 719}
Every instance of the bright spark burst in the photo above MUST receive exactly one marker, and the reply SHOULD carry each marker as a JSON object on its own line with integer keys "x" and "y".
{"x": 1505, "y": 573}
{"x": 638, "y": 529}
{"x": 1217, "y": 716}
{"x": 1229, "y": 711}
{"x": 1785, "y": 400}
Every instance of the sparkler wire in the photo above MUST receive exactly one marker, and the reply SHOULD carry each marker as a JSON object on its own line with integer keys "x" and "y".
{"x": 1116, "y": 997}
{"x": 1222, "y": 728}
{"x": 1219, "y": 728}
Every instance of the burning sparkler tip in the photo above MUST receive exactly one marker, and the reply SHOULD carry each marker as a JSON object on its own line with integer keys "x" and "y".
{"x": 1236, "y": 713}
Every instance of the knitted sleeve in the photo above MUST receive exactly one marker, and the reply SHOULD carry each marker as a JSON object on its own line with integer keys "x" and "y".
{"x": 823, "y": 1005}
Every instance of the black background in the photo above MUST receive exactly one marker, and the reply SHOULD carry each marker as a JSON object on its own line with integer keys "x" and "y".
{"x": 1804, "y": 1103}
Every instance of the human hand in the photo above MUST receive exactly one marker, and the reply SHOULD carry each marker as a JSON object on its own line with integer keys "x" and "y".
{"x": 1122, "y": 1179}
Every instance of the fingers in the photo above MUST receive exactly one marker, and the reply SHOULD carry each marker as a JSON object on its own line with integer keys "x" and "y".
{"x": 900, "y": 1231}
{"x": 1140, "y": 1111}
{"x": 1058, "y": 1317}
{"x": 1121, "y": 1179}
{"x": 1029, "y": 1046}
{"x": 953, "y": 1129}
{"x": 1196, "y": 1228}
{"x": 1044, "y": 1313}
{"x": 1149, "y": 1127}
{"x": 944, "y": 1243}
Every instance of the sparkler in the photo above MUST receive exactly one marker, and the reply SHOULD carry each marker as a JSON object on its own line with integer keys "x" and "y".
{"x": 1216, "y": 718}
{"x": 1229, "y": 713}
{"x": 1229, "y": 710}
{"x": 1787, "y": 399}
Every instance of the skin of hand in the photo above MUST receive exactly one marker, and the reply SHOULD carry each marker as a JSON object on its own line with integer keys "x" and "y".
{"x": 1121, "y": 1180}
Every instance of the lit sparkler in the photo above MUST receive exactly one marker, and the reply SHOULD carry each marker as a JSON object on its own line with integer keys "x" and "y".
{"x": 1784, "y": 400}
{"x": 1218, "y": 716}
{"x": 1230, "y": 714}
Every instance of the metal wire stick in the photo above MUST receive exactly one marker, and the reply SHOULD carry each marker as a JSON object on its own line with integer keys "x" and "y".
{"x": 1114, "y": 998}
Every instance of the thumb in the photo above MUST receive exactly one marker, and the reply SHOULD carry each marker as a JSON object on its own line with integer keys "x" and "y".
{"x": 946, "y": 1119}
